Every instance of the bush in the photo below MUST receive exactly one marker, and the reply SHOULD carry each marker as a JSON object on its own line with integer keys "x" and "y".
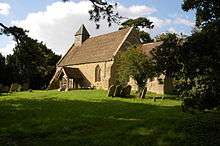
{"x": 25, "y": 87}
{"x": 203, "y": 90}
{"x": 188, "y": 104}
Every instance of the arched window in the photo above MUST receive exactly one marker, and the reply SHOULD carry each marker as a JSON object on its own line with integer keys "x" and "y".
{"x": 97, "y": 74}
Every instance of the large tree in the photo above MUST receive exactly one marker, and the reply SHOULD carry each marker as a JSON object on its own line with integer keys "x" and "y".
{"x": 166, "y": 58}
{"x": 3, "y": 72}
{"x": 201, "y": 57}
{"x": 135, "y": 64}
{"x": 206, "y": 10}
{"x": 31, "y": 62}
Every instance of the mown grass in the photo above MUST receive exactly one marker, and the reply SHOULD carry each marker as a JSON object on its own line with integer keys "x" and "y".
{"x": 89, "y": 118}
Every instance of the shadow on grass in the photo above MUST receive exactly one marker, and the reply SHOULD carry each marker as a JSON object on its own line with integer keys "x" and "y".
{"x": 108, "y": 123}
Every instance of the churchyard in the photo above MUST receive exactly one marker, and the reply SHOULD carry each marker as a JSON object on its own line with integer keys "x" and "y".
{"x": 91, "y": 118}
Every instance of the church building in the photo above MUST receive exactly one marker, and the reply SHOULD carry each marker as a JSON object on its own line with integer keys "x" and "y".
{"x": 90, "y": 62}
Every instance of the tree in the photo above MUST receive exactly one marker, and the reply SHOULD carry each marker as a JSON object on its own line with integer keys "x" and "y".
{"x": 201, "y": 66}
{"x": 166, "y": 58}
{"x": 3, "y": 72}
{"x": 201, "y": 55}
{"x": 32, "y": 62}
{"x": 206, "y": 11}
{"x": 138, "y": 23}
{"x": 134, "y": 63}
{"x": 103, "y": 10}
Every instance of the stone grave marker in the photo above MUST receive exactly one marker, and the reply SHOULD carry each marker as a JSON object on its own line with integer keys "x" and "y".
{"x": 126, "y": 91}
{"x": 118, "y": 91}
{"x": 143, "y": 93}
{"x": 111, "y": 91}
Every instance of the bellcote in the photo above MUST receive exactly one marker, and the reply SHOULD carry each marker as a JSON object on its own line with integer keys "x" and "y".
{"x": 81, "y": 35}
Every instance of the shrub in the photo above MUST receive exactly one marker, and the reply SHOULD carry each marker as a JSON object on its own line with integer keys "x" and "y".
{"x": 202, "y": 93}
{"x": 3, "y": 88}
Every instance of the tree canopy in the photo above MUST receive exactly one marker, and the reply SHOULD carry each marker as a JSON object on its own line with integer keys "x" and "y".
{"x": 138, "y": 24}
{"x": 206, "y": 10}
{"x": 135, "y": 64}
{"x": 31, "y": 62}
{"x": 166, "y": 56}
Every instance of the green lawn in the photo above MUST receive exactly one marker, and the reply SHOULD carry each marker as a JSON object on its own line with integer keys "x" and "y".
{"x": 88, "y": 117}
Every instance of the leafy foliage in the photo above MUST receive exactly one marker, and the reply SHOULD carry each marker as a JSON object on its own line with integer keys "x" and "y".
{"x": 201, "y": 55}
{"x": 32, "y": 62}
{"x": 201, "y": 66}
{"x": 3, "y": 72}
{"x": 206, "y": 10}
{"x": 103, "y": 10}
{"x": 134, "y": 63}
{"x": 138, "y": 23}
{"x": 166, "y": 56}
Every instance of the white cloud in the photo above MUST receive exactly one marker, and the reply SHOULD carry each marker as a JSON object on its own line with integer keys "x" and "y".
{"x": 172, "y": 30}
{"x": 8, "y": 49}
{"x": 135, "y": 11}
{"x": 4, "y": 8}
{"x": 158, "y": 22}
{"x": 184, "y": 21}
{"x": 57, "y": 25}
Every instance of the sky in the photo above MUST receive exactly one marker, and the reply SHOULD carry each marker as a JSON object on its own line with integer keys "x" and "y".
{"x": 55, "y": 23}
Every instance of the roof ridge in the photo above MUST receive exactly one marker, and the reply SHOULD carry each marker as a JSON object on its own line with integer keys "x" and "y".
{"x": 152, "y": 43}
{"x": 100, "y": 48}
{"x": 124, "y": 39}
{"x": 111, "y": 32}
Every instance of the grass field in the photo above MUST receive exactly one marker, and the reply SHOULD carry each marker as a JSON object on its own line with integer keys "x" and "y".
{"x": 89, "y": 118}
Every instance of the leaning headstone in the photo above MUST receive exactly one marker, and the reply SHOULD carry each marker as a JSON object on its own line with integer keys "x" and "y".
{"x": 15, "y": 87}
{"x": 126, "y": 91}
{"x": 143, "y": 93}
{"x": 111, "y": 91}
{"x": 118, "y": 91}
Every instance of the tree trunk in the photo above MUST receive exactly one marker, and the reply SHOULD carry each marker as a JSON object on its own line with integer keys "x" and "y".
{"x": 168, "y": 85}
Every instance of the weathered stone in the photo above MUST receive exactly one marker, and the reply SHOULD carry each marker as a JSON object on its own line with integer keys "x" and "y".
{"x": 118, "y": 91}
{"x": 143, "y": 93}
{"x": 111, "y": 91}
{"x": 15, "y": 87}
{"x": 126, "y": 91}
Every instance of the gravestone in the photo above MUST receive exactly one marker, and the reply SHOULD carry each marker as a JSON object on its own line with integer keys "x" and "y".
{"x": 15, "y": 87}
{"x": 111, "y": 91}
{"x": 143, "y": 93}
{"x": 126, "y": 91}
{"x": 118, "y": 91}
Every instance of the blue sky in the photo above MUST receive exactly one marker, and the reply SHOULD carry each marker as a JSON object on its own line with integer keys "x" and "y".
{"x": 50, "y": 20}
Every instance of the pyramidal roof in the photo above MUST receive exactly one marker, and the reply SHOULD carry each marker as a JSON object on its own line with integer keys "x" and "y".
{"x": 82, "y": 31}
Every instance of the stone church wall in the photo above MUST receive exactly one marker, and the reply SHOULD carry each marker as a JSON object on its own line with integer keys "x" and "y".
{"x": 88, "y": 71}
{"x": 154, "y": 85}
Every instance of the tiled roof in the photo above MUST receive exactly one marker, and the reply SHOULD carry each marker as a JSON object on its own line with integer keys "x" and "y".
{"x": 73, "y": 73}
{"x": 95, "y": 49}
{"x": 146, "y": 48}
